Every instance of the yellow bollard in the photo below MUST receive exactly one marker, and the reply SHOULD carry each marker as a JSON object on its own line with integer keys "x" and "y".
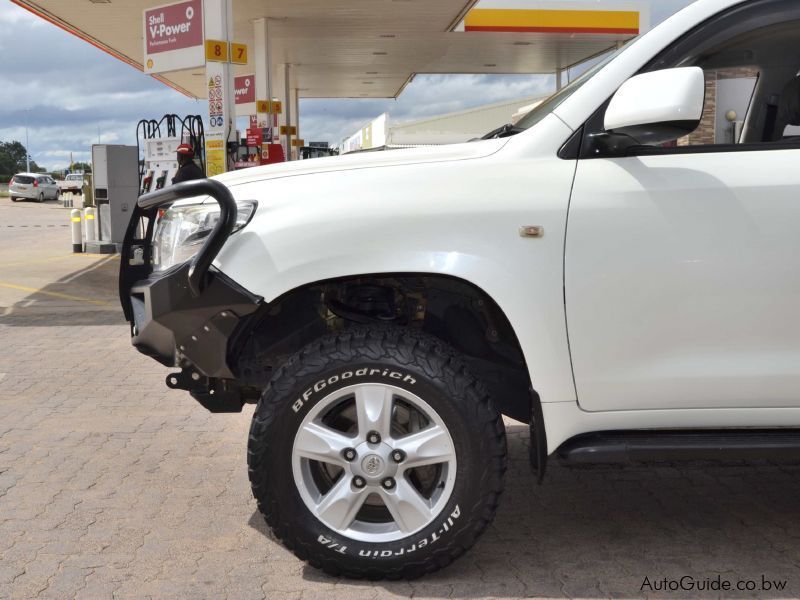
{"x": 77, "y": 238}
{"x": 90, "y": 226}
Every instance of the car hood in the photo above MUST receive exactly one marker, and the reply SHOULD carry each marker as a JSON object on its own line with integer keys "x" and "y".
{"x": 364, "y": 160}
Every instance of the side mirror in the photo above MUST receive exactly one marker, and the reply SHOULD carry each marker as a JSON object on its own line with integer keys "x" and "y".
{"x": 658, "y": 107}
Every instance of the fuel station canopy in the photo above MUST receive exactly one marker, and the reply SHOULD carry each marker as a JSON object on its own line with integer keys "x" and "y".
{"x": 373, "y": 48}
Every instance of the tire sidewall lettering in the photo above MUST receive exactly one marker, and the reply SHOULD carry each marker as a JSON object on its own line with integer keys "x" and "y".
{"x": 340, "y": 378}
{"x": 408, "y": 546}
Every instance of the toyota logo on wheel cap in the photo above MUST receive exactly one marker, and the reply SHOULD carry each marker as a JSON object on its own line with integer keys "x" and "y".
{"x": 372, "y": 464}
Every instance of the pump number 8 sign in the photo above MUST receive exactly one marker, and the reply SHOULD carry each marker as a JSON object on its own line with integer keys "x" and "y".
{"x": 216, "y": 51}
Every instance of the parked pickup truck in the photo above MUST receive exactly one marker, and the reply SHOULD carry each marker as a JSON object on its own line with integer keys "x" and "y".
{"x": 73, "y": 182}
{"x": 610, "y": 270}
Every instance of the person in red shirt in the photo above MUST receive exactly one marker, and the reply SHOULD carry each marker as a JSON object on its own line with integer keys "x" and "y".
{"x": 187, "y": 168}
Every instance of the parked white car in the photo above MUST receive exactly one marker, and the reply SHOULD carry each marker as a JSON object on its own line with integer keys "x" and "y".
{"x": 73, "y": 183}
{"x": 608, "y": 270}
{"x": 33, "y": 186}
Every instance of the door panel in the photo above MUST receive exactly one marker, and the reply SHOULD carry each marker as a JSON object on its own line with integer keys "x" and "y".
{"x": 682, "y": 281}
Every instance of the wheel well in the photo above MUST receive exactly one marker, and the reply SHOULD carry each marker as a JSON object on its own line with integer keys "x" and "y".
{"x": 454, "y": 310}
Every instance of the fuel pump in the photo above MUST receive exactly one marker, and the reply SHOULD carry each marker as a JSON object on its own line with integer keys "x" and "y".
{"x": 157, "y": 143}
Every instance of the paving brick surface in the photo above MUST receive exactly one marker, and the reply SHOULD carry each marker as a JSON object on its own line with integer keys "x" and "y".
{"x": 113, "y": 486}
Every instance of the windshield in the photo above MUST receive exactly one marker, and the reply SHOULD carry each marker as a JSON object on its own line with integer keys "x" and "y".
{"x": 549, "y": 105}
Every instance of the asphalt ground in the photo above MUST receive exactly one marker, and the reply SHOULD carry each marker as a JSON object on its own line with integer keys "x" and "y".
{"x": 113, "y": 486}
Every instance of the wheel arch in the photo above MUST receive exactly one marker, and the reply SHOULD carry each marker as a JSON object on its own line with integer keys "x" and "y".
{"x": 453, "y": 309}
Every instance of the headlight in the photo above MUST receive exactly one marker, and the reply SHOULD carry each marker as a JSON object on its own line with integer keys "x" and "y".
{"x": 181, "y": 231}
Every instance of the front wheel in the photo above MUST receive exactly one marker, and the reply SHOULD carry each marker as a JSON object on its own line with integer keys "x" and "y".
{"x": 376, "y": 453}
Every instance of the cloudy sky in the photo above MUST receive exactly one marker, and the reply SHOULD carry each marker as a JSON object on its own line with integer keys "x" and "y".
{"x": 72, "y": 94}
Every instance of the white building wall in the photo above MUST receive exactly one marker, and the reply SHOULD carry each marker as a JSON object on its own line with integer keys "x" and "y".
{"x": 452, "y": 128}
{"x": 456, "y": 127}
{"x": 372, "y": 135}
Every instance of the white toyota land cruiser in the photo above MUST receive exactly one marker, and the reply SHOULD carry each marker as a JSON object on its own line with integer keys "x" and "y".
{"x": 594, "y": 271}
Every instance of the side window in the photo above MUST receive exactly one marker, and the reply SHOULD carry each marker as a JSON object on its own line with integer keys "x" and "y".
{"x": 752, "y": 83}
{"x": 729, "y": 93}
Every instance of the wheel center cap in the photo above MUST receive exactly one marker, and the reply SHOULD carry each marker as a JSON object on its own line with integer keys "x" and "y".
{"x": 373, "y": 465}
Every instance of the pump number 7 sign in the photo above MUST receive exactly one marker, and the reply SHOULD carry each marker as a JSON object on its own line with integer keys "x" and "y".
{"x": 238, "y": 54}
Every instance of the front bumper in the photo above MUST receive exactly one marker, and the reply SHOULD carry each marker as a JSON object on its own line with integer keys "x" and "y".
{"x": 189, "y": 315}
{"x": 177, "y": 328}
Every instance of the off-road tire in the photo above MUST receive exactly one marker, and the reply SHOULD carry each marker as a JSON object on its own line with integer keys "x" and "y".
{"x": 443, "y": 380}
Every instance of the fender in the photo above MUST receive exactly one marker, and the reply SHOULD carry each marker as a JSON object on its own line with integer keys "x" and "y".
{"x": 459, "y": 218}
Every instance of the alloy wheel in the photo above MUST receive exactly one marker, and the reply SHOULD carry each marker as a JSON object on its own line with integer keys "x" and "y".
{"x": 374, "y": 462}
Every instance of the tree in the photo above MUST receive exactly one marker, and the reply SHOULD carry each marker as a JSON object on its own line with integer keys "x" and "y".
{"x": 82, "y": 166}
{"x": 12, "y": 158}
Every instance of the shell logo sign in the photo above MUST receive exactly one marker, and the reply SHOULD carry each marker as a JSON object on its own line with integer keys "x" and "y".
{"x": 244, "y": 89}
{"x": 173, "y": 37}
{"x": 520, "y": 20}
{"x": 174, "y": 27}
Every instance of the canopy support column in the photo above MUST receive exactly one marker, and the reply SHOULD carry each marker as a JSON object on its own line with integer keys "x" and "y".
{"x": 287, "y": 106}
{"x": 263, "y": 73}
{"x": 218, "y": 17}
{"x": 296, "y": 117}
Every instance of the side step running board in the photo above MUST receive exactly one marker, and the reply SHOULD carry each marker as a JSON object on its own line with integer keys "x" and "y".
{"x": 652, "y": 445}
